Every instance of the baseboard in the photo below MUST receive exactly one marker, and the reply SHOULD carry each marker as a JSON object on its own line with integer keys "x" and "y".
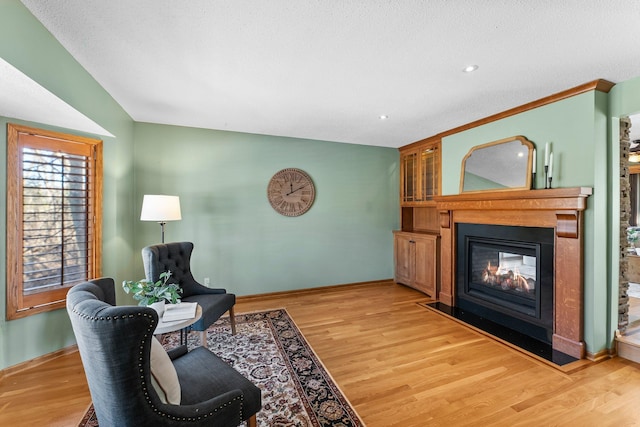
{"x": 601, "y": 355}
{"x": 37, "y": 361}
{"x": 315, "y": 290}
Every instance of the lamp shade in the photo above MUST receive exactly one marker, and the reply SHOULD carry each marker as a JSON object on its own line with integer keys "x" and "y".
{"x": 160, "y": 208}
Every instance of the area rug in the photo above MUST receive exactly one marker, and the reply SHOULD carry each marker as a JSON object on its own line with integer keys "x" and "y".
{"x": 270, "y": 351}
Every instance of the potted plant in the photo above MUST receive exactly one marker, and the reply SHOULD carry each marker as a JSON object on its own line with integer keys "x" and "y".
{"x": 633, "y": 235}
{"x": 154, "y": 294}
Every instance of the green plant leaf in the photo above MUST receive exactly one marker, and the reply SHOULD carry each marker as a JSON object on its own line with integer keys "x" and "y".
{"x": 146, "y": 293}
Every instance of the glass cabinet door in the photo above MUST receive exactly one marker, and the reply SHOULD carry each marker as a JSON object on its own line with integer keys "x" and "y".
{"x": 409, "y": 177}
{"x": 429, "y": 173}
{"x": 420, "y": 174}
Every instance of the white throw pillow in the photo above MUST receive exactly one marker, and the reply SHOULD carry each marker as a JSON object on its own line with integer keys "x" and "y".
{"x": 163, "y": 375}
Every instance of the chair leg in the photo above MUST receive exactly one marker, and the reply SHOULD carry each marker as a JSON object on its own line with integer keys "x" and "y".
{"x": 251, "y": 422}
{"x": 203, "y": 338}
{"x": 232, "y": 319}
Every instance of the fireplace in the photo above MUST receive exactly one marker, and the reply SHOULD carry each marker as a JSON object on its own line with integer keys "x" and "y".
{"x": 560, "y": 210}
{"x": 505, "y": 274}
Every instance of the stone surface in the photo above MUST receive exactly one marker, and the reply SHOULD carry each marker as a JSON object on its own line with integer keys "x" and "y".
{"x": 629, "y": 265}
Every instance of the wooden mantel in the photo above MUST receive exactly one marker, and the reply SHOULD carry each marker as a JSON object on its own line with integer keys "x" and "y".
{"x": 561, "y": 209}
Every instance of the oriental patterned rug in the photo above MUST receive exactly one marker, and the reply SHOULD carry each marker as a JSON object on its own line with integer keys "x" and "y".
{"x": 271, "y": 352}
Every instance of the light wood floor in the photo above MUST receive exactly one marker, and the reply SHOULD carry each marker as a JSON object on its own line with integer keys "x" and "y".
{"x": 398, "y": 363}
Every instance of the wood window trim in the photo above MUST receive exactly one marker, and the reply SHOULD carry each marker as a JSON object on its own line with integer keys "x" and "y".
{"x": 51, "y": 300}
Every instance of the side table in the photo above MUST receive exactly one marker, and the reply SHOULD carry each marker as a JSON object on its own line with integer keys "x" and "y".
{"x": 182, "y": 325}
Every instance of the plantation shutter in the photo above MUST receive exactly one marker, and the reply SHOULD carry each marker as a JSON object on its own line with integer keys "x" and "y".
{"x": 55, "y": 216}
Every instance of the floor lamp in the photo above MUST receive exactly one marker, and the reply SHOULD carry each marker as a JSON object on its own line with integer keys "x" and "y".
{"x": 161, "y": 209}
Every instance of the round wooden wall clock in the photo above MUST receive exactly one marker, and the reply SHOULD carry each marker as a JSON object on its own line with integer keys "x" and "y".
{"x": 291, "y": 192}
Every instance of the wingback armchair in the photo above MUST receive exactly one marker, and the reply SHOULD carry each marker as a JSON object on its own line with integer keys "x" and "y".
{"x": 121, "y": 361}
{"x": 176, "y": 257}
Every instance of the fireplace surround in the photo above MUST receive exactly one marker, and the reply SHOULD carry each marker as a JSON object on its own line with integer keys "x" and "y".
{"x": 559, "y": 210}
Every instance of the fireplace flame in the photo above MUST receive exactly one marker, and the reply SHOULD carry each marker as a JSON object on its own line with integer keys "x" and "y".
{"x": 507, "y": 279}
{"x": 521, "y": 282}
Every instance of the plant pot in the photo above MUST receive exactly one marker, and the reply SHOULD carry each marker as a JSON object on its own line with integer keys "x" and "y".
{"x": 159, "y": 307}
{"x": 637, "y": 251}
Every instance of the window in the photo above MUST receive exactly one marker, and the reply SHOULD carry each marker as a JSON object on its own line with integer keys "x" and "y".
{"x": 54, "y": 205}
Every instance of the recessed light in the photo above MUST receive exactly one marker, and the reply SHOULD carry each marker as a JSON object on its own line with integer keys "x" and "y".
{"x": 470, "y": 68}
{"x": 383, "y": 117}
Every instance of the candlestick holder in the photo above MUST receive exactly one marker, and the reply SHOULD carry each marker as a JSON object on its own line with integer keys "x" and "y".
{"x": 550, "y": 178}
{"x": 533, "y": 180}
{"x": 546, "y": 176}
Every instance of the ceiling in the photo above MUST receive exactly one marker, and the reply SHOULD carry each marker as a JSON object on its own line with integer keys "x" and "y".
{"x": 23, "y": 98}
{"x": 328, "y": 70}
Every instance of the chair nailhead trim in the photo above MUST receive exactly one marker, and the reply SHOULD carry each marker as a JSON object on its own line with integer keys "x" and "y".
{"x": 151, "y": 328}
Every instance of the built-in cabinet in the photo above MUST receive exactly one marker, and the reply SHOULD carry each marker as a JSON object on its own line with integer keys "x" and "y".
{"x": 420, "y": 173}
{"x": 416, "y": 244}
{"x": 420, "y": 181}
{"x": 633, "y": 268}
{"x": 416, "y": 261}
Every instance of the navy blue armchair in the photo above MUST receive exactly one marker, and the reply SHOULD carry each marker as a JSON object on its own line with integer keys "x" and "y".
{"x": 176, "y": 257}
{"x": 116, "y": 348}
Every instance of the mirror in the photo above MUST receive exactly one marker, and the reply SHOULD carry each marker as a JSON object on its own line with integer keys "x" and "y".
{"x": 498, "y": 165}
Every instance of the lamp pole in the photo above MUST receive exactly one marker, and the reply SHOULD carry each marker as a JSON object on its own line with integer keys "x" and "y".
{"x": 162, "y": 223}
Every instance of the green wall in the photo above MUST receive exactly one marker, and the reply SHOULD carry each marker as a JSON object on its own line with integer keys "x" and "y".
{"x": 241, "y": 243}
{"x": 577, "y": 130}
{"x": 624, "y": 100}
{"x": 221, "y": 177}
{"x": 27, "y": 45}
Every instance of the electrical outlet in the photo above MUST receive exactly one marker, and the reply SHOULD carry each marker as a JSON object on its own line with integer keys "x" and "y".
{"x": 207, "y": 282}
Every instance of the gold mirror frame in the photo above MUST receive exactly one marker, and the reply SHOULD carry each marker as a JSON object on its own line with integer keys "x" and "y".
{"x": 498, "y": 166}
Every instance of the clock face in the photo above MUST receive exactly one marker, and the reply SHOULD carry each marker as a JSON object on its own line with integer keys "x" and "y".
{"x": 291, "y": 192}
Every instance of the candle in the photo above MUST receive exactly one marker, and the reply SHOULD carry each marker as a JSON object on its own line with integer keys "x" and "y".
{"x": 546, "y": 154}
{"x": 551, "y": 165}
{"x": 533, "y": 163}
